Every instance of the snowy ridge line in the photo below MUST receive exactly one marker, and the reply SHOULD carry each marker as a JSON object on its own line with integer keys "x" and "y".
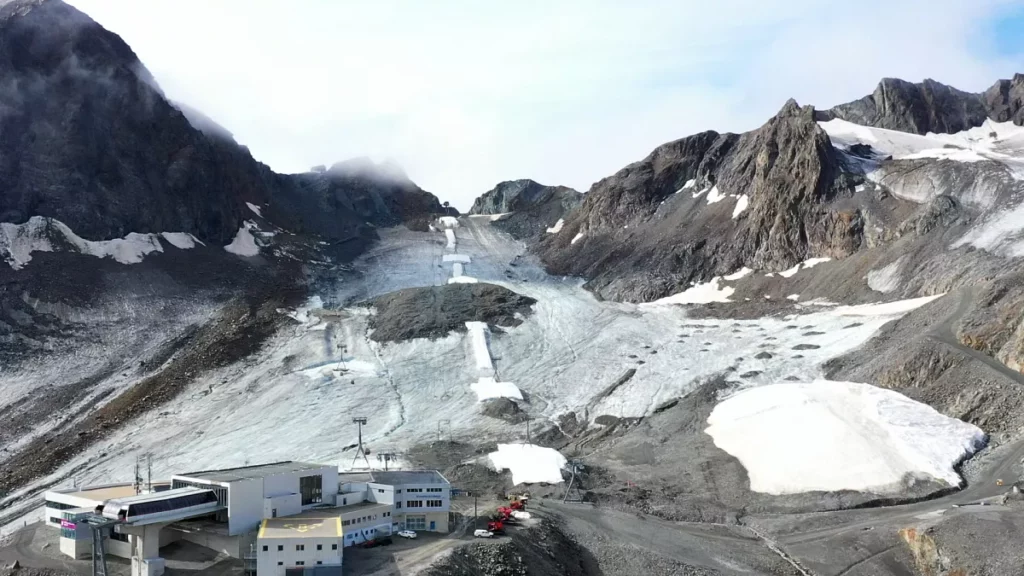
{"x": 41, "y": 234}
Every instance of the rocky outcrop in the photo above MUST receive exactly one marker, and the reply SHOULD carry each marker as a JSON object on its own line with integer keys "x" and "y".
{"x": 931, "y": 106}
{"x": 532, "y": 208}
{"x": 708, "y": 205}
{"x": 515, "y": 195}
{"x": 435, "y": 311}
{"x": 88, "y": 138}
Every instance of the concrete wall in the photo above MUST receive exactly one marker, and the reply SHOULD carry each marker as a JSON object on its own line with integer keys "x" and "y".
{"x": 245, "y": 505}
{"x": 233, "y": 546}
{"x": 76, "y": 549}
{"x": 367, "y": 531}
{"x": 267, "y": 561}
{"x": 380, "y": 493}
{"x": 350, "y": 498}
{"x": 119, "y": 549}
{"x": 287, "y": 505}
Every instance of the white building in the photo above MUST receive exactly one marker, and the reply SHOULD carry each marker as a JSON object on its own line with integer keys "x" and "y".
{"x": 307, "y": 542}
{"x": 421, "y": 498}
{"x": 253, "y": 493}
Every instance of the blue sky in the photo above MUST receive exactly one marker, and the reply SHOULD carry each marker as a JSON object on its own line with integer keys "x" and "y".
{"x": 464, "y": 94}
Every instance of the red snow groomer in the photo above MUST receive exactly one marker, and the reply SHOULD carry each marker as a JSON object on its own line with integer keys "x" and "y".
{"x": 496, "y": 527}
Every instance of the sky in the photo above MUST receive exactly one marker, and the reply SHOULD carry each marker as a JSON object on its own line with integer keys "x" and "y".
{"x": 464, "y": 94}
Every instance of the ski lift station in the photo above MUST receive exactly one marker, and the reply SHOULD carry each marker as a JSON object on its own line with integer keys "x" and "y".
{"x": 289, "y": 518}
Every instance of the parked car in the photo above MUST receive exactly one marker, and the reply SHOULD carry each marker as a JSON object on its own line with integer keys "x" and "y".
{"x": 482, "y": 534}
{"x": 407, "y": 534}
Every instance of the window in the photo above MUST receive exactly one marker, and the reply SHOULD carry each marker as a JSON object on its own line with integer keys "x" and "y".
{"x": 380, "y": 490}
{"x": 319, "y": 546}
{"x": 118, "y": 537}
{"x": 344, "y": 522}
{"x": 434, "y": 503}
{"x": 334, "y": 546}
{"x": 280, "y": 563}
{"x": 265, "y": 548}
{"x": 319, "y": 562}
{"x": 414, "y": 504}
{"x": 300, "y": 563}
{"x": 344, "y": 501}
{"x": 312, "y": 489}
{"x": 398, "y": 504}
{"x": 433, "y": 490}
{"x": 300, "y": 547}
{"x": 399, "y": 491}
{"x": 54, "y": 520}
{"x": 414, "y": 489}
{"x": 280, "y": 547}
{"x": 58, "y": 505}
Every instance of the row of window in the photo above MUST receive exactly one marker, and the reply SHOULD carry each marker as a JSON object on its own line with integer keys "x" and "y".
{"x": 299, "y": 547}
{"x": 364, "y": 519}
{"x": 58, "y": 505}
{"x": 399, "y": 491}
{"x": 352, "y": 536}
{"x": 299, "y": 562}
{"x": 419, "y": 504}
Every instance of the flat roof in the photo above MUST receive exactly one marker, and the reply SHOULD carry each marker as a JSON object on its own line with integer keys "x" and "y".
{"x": 156, "y": 496}
{"x": 103, "y": 493}
{"x": 301, "y": 526}
{"x": 252, "y": 472}
{"x": 399, "y": 477}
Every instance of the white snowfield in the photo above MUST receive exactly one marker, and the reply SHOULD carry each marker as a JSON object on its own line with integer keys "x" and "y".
{"x": 487, "y": 388}
{"x": 557, "y": 227}
{"x": 1001, "y": 233}
{"x": 806, "y": 264}
{"x": 1001, "y": 142}
{"x": 715, "y": 195}
{"x": 255, "y": 209}
{"x": 898, "y": 307}
{"x": 529, "y": 464}
{"x": 448, "y": 221}
{"x": 699, "y": 294}
{"x": 576, "y": 238}
{"x": 244, "y": 244}
{"x": 449, "y": 234}
{"x": 19, "y": 241}
{"x": 739, "y": 274}
{"x": 887, "y": 278}
{"x": 824, "y": 435}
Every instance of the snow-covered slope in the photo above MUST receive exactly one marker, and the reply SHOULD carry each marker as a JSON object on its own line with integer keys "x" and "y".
{"x": 800, "y": 437}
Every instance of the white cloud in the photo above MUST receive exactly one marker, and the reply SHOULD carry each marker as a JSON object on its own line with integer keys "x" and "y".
{"x": 464, "y": 94}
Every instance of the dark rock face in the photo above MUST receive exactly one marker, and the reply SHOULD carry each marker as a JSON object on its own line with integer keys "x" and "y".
{"x": 434, "y": 311}
{"x": 87, "y": 137}
{"x": 534, "y": 207}
{"x": 649, "y": 231}
{"x": 930, "y": 106}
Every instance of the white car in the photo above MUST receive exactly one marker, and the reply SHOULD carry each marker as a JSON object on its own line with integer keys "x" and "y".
{"x": 483, "y": 534}
{"x": 407, "y": 534}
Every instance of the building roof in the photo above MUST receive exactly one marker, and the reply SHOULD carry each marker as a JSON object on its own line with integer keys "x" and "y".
{"x": 100, "y": 494}
{"x": 400, "y": 477}
{"x": 155, "y": 496}
{"x": 252, "y": 472}
{"x": 301, "y": 526}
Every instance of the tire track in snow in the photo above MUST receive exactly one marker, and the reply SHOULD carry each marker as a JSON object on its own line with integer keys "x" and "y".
{"x": 391, "y": 382}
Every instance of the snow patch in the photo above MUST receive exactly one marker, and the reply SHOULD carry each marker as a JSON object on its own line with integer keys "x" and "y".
{"x": 576, "y": 238}
{"x": 244, "y": 244}
{"x": 529, "y": 464}
{"x": 462, "y": 280}
{"x": 898, "y": 307}
{"x": 715, "y": 196}
{"x": 741, "y": 273}
{"x": 254, "y": 208}
{"x": 831, "y": 436}
{"x": 700, "y": 193}
{"x": 805, "y": 265}
{"x": 19, "y": 241}
{"x": 885, "y": 279}
{"x": 1001, "y": 233}
{"x": 180, "y": 240}
{"x": 448, "y": 221}
{"x": 557, "y": 227}
{"x": 699, "y": 294}
{"x": 741, "y": 205}
{"x": 487, "y": 387}
{"x": 793, "y": 297}
{"x": 450, "y": 235}
{"x": 478, "y": 332}
{"x": 689, "y": 184}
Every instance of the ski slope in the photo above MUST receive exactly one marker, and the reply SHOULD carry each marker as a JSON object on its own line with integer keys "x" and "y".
{"x": 296, "y": 397}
